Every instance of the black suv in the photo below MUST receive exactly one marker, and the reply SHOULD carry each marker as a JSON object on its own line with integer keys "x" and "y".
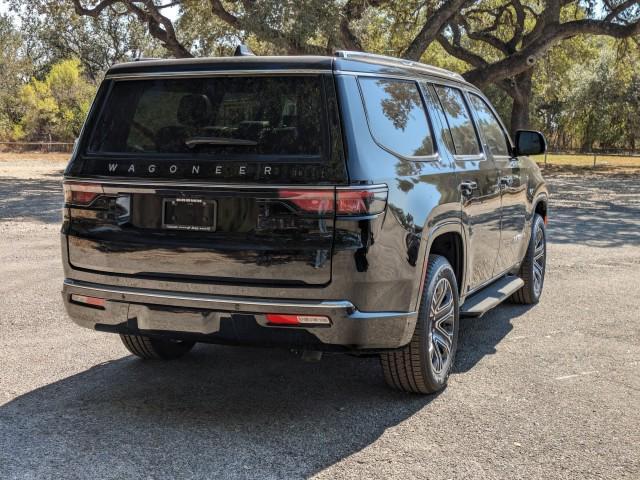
{"x": 355, "y": 203}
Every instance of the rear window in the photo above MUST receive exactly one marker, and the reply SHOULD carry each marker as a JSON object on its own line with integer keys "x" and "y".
{"x": 213, "y": 116}
{"x": 396, "y": 116}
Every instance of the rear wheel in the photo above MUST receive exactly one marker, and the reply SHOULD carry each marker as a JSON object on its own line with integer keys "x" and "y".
{"x": 533, "y": 265}
{"x": 154, "y": 348}
{"x": 423, "y": 366}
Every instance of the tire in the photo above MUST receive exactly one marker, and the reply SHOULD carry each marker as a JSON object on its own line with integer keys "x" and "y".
{"x": 533, "y": 265}
{"x": 154, "y": 348}
{"x": 421, "y": 366}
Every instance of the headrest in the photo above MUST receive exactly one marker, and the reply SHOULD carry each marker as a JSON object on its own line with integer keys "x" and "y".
{"x": 194, "y": 110}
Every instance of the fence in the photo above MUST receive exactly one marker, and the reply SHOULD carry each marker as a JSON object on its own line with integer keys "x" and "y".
{"x": 44, "y": 147}
{"x": 590, "y": 159}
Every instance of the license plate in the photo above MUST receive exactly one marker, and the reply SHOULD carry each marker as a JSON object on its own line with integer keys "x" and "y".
{"x": 189, "y": 214}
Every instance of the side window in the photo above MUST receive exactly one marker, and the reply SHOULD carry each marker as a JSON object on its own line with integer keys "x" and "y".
{"x": 457, "y": 114}
{"x": 396, "y": 116}
{"x": 491, "y": 129}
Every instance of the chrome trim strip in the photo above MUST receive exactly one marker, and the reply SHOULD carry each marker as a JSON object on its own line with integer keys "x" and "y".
{"x": 145, "y": 186}
{"x": 215, "y": 73}
{"x": 230, "y": 303}
{"x": 468, "y": 158}
{"x": 377, "y": 186}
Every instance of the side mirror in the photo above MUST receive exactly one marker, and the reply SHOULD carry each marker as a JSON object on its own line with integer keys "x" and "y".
{"x": 530, "y": 142}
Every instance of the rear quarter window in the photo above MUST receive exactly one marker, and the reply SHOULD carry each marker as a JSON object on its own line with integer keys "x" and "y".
{"x": 396, "y": 116}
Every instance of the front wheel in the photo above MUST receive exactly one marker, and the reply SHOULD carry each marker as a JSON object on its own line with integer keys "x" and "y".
{"x": 155, "y": 348}
{"x": 423, "y": 366}
{"x": 533, "y": 265}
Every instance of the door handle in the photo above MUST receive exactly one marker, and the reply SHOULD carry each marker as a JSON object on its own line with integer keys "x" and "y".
{"x": 506, "y": 181}
{"x": 468, "y": 187}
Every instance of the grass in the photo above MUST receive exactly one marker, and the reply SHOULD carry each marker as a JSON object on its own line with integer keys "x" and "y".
{"x": 587, "y": 160}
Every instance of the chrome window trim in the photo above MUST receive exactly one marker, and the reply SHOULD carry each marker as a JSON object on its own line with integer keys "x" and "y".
{"x": 469, "y": 158}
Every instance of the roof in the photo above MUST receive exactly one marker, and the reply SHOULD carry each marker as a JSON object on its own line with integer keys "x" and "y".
{"x": 344, "y": 61}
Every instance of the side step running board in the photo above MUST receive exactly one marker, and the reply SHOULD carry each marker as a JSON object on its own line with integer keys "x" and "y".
{"x": 494, "y": 294}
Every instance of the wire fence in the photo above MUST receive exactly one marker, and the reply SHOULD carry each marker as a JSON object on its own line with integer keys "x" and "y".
{"x": 43, "y": 147}
{"x": 591, "y": 159}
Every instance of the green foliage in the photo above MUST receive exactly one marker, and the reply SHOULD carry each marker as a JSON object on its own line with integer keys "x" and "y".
{"x": 56, "y": 105}
{"x": 14, "y": 68}
{"x": 587, "y": 95}
{"x": 52, "y": 32}
{"x": 585, "y": 90}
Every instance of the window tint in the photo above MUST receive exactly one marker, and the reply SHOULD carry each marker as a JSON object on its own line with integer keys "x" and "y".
{"x": 459, "y": 120}
{"x": 490, "y": 127}
{"x": 241, "y": 115}
{"x": 396, "y": 116}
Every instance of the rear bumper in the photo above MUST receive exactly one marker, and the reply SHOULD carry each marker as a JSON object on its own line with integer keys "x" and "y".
{"x": 239, "y": 320}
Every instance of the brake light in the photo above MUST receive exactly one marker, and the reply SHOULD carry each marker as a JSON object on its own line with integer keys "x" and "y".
{"x": 297, "y": 320}
{"x": 345, "y": 201}
{"x": 81, "y": 193}
{"x": 354, "y": 202}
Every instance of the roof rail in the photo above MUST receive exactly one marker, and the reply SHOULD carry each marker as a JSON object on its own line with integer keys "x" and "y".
{"x": 400, "y": 62}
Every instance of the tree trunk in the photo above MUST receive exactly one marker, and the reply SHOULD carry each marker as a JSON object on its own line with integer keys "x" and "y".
{"x": 521, "y": 95}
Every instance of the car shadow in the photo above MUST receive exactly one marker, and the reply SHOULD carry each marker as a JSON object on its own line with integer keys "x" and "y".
{"x": 220, "y": 412}
{"x": 38, "y": 199}
{"x": 479, "y": 337}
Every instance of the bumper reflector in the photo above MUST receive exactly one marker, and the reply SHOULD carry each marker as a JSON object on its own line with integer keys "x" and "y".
{"x": 91, "y": 301}
{"x": 297, "y": 320}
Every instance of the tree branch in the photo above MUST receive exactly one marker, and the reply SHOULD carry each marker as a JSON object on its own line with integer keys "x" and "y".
{"x": 160, "y": 27}
{"x": 431, "y": 28}
{"x": 551, "y": 35}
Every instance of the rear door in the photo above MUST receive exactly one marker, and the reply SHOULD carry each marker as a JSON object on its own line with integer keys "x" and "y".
{"x": 513, "y": 183}
{"x": 224, "y": 179}
{"x": 479, "y": 188}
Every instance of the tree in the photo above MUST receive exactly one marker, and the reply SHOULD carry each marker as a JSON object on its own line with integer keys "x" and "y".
{"x": 14, "y": 69}
{"x": 53, "y": 32}
{"x": 56, "y": 106}
{"x": 518, "y": 34}
{"x": 500, "y": 40}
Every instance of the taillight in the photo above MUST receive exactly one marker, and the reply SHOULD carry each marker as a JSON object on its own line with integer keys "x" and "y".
{"x": 297, "y": 320}
{"x": 344, "y": 201}
{"x": 309, "y": 200}
{"x": 81, "y": 193}
{"x": 361, "y": 201}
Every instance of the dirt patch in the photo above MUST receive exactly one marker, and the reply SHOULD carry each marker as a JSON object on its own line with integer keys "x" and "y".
{"x": 33, "y": 157}
{"x": 548, "y": 170}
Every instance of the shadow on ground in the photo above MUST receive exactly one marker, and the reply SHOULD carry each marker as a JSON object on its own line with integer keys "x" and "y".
{"x": 595, "y": 210}
{"x": 480, "y": 336}
{"x": 38, "y": 199}
{"x": 222, "y": 411}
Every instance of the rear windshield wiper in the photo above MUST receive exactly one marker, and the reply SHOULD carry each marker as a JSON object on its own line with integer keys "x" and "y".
{"x": 193, "y": 141}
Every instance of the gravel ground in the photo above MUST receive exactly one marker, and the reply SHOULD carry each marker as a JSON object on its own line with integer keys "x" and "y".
{"x": 546, "y": 392}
